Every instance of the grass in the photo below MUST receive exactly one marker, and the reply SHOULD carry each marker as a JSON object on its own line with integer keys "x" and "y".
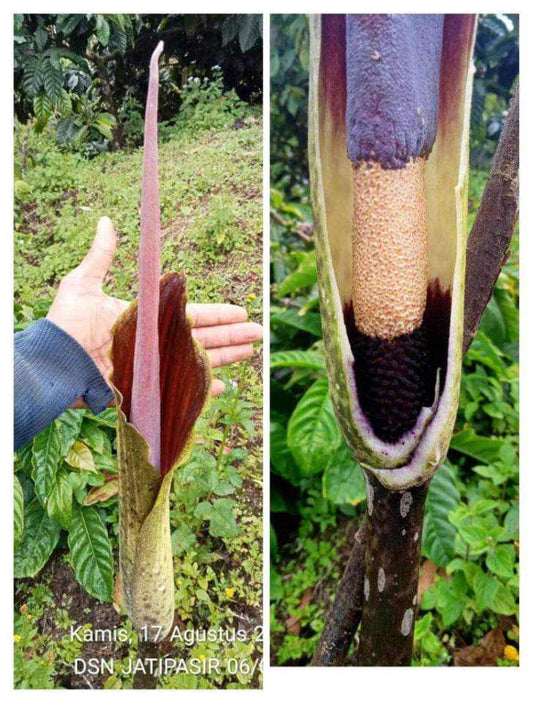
{"x": 211, "y": 205}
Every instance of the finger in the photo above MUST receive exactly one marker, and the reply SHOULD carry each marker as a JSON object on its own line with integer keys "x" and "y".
{"x": 229, "y": 355}
{"x": 210, "y": 314}
{"x": 100, "y": 256}
{"x": 228, "y": 335}
{"x": 217, "y": 387}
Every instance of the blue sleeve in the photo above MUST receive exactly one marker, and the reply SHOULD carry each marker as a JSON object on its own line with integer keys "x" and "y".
{"x": 51, "y": 371}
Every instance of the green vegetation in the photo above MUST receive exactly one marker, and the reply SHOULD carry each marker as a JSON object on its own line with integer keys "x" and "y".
{"x": 469, "y": 573}
{"x": 66, "y": 479}
{"x": 85, "y": 74}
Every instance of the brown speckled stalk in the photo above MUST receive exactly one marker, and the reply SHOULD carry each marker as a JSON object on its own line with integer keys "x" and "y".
{"x": 345, "y": 614}
{"x": 394, "y": 536}
{"x": 146, "y": 392}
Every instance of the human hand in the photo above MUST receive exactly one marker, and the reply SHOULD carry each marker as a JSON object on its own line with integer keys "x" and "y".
{"x": 87, "y": 314}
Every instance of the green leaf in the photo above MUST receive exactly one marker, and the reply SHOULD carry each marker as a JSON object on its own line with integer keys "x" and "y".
{"x": 249, "y": 31}
{"x": 501, "y": 560}
{"x": 281, "y": 457}
{"x": 304, "y": 276}
{"x": 310, "y": 322}
{"x": 297, "y": 359}
{"x": 220, "y": 515}
{"x": 52, "y": 80}
{"x": 438, "y": 533}
{"x": 18, "y": 504}
{"x": 492, "y": 323}
{"x": 69, "y": 425}
{"x": 491, "y": 472}
{"x": 222, "y": 521}
{"x": 504, "y": 602}
{"x": 485, "y": 449}
{"x": 512, "y": 522}
{"x": 33, "y": 77}
{"x": 90, "y": 552}
{"x": 183, "y": 539}
{"x": 42, "y": 107}
{"x": 203, "y": 510}
{"x": 59, "y": 505}
{"x": 343, "y": 481}
{"x": 80, "y": 457}
{"x": 102, "y": 30}
{"x": 485, "y": 588}
{"x": 24, "y": 458}
{"x": 41, "y": 535}
{"x": 107, "y": 418}
{"x": 46, "y": 455}
{"x": 312, "y": 433}
{"x": 93, "y": 436}
{"x": 276, "y": 585}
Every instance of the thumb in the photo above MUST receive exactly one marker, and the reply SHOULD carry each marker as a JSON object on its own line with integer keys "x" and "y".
{"x": 101, "y": 254}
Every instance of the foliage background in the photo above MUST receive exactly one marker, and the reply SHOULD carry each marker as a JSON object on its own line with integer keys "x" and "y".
{"x": 86, "y": 73}
{"x": 66, "y": 478}
{"x": 469, "y": 575}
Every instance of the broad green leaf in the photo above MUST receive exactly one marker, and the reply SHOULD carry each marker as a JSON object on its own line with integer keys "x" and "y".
{"x": 102, "y": 30}
{"x": 46, "y": 455}
{"x": 105, "y": 463}
{"x": 107, "y": 418}
{"x": 18, "y": 504}
{"x": 485, "y": 449}
{"x": 304, "y": 276}
{"x": 69, "y": 425}
{"x": 492, "y": 323}
{"x": 309, "y": 322}
{"x": 312, "y": 433}
{"x": 182, "y": 539}
{"x": 90, "y": 552}
{"x": 59, "y": 505}
{"x": 486, "y": 353}
{"x": 491, "y": 472}
{"x": 41, "y": 535}
{"x": 281, "y": 457}
{"x": 52, "y": 80}
{"x": 93, "y": 436}
{"x": 80, "y": 457}
{"x": 204, "y": 510}
{"x": 42, "y": 107}
{"x": 276, "y": 585}
{"x": 512, "y": 522}
{"x": 24, "y": 458}
{"x": 297, "y": 359}
{"x": 222, "y": 521}
{"x": 249, "y": 31}
{"x": 509, "y": 309}
{"x": 485, "y": 588}
{"x": 438, "y": 533}
{"x": 501, "y": 560}
{"x": 343, "y": 481}
{"x": 504, "y": 601}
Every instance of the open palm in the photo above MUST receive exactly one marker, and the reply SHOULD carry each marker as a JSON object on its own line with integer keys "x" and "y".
{"x": 87, "y": 314}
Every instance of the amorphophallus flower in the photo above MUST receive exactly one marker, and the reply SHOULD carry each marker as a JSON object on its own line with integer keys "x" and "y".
{"x": 161, "y": 379}
{"x": 388, "y": 141}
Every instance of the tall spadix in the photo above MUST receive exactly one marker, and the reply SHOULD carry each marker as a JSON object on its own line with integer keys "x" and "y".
{"x": 146, "y": 392}
{"x": 389, "y": 108}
